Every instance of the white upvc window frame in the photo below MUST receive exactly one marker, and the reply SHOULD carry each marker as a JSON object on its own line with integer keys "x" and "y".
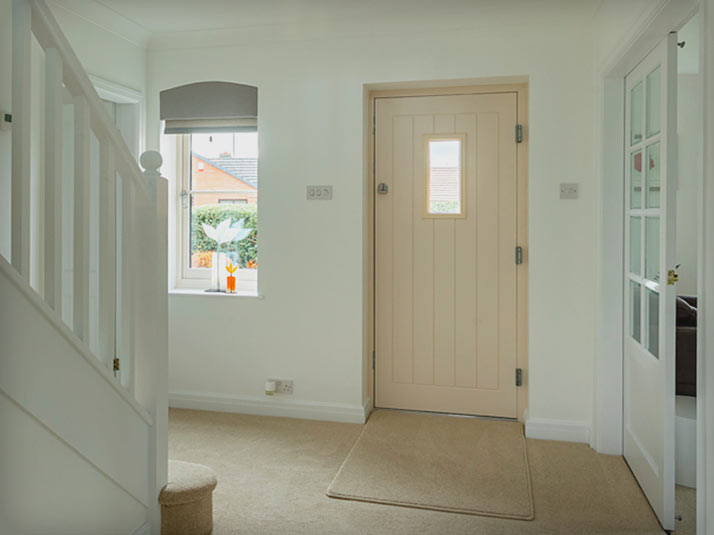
{"x": 186, "y": 276}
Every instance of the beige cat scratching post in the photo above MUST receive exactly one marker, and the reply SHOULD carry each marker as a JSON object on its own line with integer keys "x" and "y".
{"x": 187, "y": 500}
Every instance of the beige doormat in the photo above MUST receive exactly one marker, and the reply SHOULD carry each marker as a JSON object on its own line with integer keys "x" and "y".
{"x": 445, "y": 463}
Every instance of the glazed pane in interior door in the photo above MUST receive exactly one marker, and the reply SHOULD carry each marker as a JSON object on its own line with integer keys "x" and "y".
{"x": 445, "y": 285}
{"x": 649, "y": 352}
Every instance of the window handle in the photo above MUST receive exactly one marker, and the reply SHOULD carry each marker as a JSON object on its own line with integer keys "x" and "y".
{"x": 184, "y": 199}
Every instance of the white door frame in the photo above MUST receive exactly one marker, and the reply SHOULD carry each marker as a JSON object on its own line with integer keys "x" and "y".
{"x": 131, "y": 112}
{"x": 607, "y": 418}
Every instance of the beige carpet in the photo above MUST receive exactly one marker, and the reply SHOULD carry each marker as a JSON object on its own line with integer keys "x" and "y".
{"x": 273, "y": 472}
{"x": 459, "y": 465}
{"x": 686, "y": 507}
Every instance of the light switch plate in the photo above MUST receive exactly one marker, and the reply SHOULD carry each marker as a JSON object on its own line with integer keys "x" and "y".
{"x": 568, "y": 191}
{"x": 319, "y": 193}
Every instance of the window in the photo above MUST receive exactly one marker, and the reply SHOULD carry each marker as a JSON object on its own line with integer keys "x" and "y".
{"x": 219, "y": 184}
{"x": 444, "y": 174}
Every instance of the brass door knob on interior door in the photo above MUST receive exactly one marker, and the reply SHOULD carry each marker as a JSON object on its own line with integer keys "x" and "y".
{"x": 672, "y": 277}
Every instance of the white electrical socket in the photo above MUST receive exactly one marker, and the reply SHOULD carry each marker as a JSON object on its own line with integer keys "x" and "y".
{"x": 283, "y": 386}
{"x": 568, "y": 191}
{"x": 319, "y": 193}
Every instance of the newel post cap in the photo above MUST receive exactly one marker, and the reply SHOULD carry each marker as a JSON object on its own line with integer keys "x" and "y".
{"x": 151, "y": 160}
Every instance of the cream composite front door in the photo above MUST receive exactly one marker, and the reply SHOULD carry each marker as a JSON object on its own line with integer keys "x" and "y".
{"x": 445, "y": 253}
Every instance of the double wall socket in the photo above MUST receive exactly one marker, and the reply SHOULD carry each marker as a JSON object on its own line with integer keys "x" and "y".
{"x": 283, "y": 386}
{"x": 319, "y": 193}
{"x": 568, "y": 191}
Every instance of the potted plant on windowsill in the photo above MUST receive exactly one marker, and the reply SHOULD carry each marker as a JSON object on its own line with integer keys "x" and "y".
{"x": 224, "y": 232}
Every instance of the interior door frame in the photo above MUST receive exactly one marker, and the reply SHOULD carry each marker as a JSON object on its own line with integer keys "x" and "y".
{"x": 516, "y": 84}
{"x": 607, "y": 432}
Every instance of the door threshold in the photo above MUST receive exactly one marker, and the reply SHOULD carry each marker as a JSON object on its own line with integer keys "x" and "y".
{"x": 452, "y": 414}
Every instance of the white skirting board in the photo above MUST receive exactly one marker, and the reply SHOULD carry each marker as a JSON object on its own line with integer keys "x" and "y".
{"x": 144, "y": 529}
{"x": 271, "y": 406}
{"x": 563, "y": 430}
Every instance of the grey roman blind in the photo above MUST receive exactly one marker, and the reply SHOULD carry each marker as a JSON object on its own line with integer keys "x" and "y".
{"x": 209, "y": 107}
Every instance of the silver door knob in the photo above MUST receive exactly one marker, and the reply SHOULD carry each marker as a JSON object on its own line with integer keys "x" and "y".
{"x": 382, "y": 189}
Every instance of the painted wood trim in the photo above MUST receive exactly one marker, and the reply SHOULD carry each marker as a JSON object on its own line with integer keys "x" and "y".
{"x": 107, "y": 254}
{"x": 563, "y": 430}
{"x": 114, "y": 92}
{"x": 309, "y": 410}
{"x": 82, "y": 200}
{"x": 81, "y": 347}
{"x": 53, "y": 180}
{"x": 521, "y": 89}
{"x": 127, "y": 296}
{"x": 74, "y": 448}
{"x": 705, "y": 331}
{"x": 448, "y": 91}
{"x": 21, "y": 125}
{"x": 522, "y": 239}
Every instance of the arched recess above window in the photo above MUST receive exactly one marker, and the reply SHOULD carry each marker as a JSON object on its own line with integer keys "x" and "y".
{"x": 209, "y": 107}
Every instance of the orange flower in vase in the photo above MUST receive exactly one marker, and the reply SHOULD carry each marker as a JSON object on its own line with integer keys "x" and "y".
{"x": 231, "y": 280}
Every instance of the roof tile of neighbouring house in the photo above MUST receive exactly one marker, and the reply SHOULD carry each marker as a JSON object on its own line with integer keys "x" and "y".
{"x": 245, "y": 169}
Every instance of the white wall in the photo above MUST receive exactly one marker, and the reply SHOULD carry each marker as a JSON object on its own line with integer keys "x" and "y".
{"x": 309, "y": 327}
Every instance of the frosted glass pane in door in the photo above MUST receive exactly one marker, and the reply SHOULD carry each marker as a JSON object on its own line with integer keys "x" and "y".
{"x": 652, "y": 248}
{"x": 636, "y": 245}
{"x": 636, "y": 114}
{"x": 653, "y": 176}
{"x": 636, "y": 180}
{"x": 653, "y": 102}
{"x": 635, "y": 323}
{"x": 652, "y": 324}
{"x": 445, "y": 177}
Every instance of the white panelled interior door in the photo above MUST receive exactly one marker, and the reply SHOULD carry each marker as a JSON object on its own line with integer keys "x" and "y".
{"x": 446, "y": 224}
{"x": 650, "y": 277}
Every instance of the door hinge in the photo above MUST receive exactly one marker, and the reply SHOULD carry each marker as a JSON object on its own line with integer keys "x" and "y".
{"x": 519, "y": 376}
{"x": 373, "y": 359}
{"x": 519, "y": 255}
{"x": 519, "y": 133}
{"x": 115, "y": 366}
{"x": 374, "y": 124}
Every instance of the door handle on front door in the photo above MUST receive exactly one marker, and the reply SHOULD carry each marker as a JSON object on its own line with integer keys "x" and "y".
{"x": 382, "y": 189}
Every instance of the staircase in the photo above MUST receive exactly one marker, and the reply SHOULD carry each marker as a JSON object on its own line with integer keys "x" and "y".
{"x": 83, "y": 307}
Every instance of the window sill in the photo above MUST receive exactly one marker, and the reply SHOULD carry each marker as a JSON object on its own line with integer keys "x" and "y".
{"x": 191, "y": 292}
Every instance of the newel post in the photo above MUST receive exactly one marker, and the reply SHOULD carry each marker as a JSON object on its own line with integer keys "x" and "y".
{"x": 152, "y": 382}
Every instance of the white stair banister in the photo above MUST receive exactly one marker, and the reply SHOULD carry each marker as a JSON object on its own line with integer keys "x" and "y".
{"x": 107, "y": 253}
{"x": 53, "y": 179}
{"x": 82, "y": 177}
{"x": 151, "y": 374}
{"x": 132, "y": 250}
{"x": 21, "y": 80}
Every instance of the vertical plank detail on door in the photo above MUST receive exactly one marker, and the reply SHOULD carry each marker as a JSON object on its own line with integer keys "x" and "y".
{"x": 507, "y": 241}
{"x": 446, "y": 309}
{"x": 402, "y": 254}
{"x": 423, "y": 263}
{"x": 444, "y": 312}
{"x": 487, "y": 239}
{"x": 465, "y": 254}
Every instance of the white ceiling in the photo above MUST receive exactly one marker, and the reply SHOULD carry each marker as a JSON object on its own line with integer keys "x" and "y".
{"x": 166, "y": 16}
